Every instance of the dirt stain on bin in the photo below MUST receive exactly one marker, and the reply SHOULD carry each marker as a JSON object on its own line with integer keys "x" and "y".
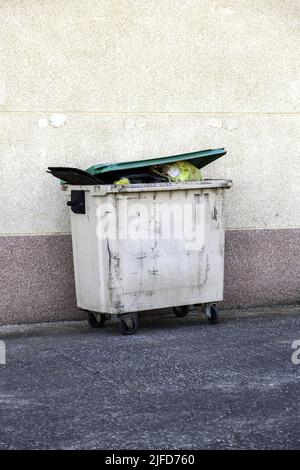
{"x": 215, "y": 214}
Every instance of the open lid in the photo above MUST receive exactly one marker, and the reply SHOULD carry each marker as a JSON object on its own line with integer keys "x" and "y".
{"x": 200, "y": 159}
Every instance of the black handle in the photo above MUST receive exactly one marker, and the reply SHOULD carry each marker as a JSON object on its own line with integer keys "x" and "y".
{"x": 77, "y": 202}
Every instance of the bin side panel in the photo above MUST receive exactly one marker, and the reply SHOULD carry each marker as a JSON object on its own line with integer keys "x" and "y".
{"x": 157, "y": 249}
{"x": 85, "y": 250}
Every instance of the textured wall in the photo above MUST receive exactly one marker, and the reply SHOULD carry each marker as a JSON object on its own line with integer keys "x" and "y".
{"x": 37, "y": 282}
{"x": 144, "y": 78}
{"x": 262, "y": 160}
{"x": 150, "y": 55}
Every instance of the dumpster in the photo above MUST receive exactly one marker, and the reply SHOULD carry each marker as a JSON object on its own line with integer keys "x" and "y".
{"x": 142, "y": 247}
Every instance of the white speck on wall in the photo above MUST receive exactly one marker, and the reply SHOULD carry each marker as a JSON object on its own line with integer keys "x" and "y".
{"x": 57, "y": 120}
{"x": 215, "y": 122}
{"x": 129, "y": 124}
{"x": 42, "y": 123}
{"x": 2, "y": 91}
{"x": 230, "y": 124}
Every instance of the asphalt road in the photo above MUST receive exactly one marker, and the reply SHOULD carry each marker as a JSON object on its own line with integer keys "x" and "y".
{"x": 176, "y": 384}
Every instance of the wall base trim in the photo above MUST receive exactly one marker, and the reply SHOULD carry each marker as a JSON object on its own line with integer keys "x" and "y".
{"x": 37, "y": 281}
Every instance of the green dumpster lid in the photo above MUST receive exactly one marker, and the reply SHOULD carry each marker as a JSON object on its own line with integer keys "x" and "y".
{"x": 199, "y": 159}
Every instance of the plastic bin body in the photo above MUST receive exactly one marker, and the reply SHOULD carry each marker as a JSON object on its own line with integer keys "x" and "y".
{"x": 144, "y": 247}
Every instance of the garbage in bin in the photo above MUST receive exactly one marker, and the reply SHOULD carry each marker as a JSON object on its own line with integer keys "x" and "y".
{"x": 145, "y": 246}
{"x": 179, "y": 171}
{"x": 122, "y": 181}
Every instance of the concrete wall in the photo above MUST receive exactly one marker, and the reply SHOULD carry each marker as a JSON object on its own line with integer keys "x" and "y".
{"x": 145, "y": 78}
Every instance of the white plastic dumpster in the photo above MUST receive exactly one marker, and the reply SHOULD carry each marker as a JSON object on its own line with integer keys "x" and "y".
{"x": 147, "y": 246}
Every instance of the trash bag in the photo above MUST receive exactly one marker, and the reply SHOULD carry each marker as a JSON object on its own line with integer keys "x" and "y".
{"x": 122, "y": 181}
{"x": 179, "y": 171}
{"x": 128, "y": 177}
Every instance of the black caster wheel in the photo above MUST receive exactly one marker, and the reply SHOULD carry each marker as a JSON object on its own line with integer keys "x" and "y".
{"x": 96, "y": 320}
{"x": 180, "y": 312}
{"x": 128, "y": 324}
{"x": 212, "y": 313}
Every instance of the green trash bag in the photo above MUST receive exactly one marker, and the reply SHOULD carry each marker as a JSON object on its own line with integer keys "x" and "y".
{"x": 179, "y": 171}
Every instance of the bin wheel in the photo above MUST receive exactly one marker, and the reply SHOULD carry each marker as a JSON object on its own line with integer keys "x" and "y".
{"x": 212, "y": 313}
{"x": 128, "y": 324}
{"x": 96, "y": 321}
{"x": 180, "y": 312}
